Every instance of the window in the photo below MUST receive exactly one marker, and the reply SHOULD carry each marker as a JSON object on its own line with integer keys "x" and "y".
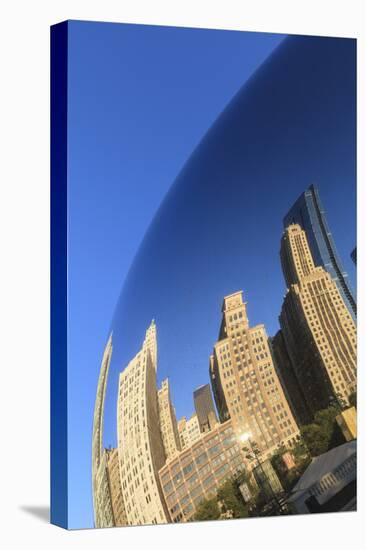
{"x": 202, "y": 458}
{"x": 208, "y": 481}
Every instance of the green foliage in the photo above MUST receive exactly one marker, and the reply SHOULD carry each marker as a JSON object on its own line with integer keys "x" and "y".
{"x": 353, "y": 399}
{"x": 230, "y": 497}
{"x": 300, "y": 451}
{"x": 288, "y": 478}
{"x": 322, "y": 434}
{"x": 208, "y": 509}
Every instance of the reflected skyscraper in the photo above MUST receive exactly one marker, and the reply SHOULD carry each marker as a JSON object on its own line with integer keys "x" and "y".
{"x": 115, "y": 489}
{"x": 189, "y": 431}
{"x": 140, "y": 444}
{"x": 243, "y": 374}
{"x": 288, "y": 379}
{"x": 205, "y": 408}
{"x": 319, "y": 331}
{"x": 168, "y": 421}
{"x": 309, "y": 213}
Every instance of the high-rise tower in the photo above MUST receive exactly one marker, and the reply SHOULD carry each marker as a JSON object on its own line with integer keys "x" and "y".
{"x": 115, "y": 489}
{"x": 205, "y": 408}
{"x": 318, "y": 329}
{"x": 309, "y": 213}
{"x": 140, "y": 445}
{"x": 243, "y": 375}
{"x": 189, "y": 431}
{"x": 288, "y": 379}
{"x": 168, "y": 421}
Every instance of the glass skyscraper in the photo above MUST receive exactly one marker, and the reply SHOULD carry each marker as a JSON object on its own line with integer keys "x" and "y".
{"x": 309, "y": 213}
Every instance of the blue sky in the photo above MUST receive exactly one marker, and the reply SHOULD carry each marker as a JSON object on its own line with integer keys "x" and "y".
{"x": 141, "y": 99}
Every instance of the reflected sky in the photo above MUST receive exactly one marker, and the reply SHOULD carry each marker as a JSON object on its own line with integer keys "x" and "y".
{"x": 218, "y": 230}
{"x": 219, "y": 226}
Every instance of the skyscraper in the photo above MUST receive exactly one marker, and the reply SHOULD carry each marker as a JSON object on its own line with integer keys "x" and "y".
{"x": 309, "y": 213}
{"x": 205, "y": 408}
{"x": 288, "y": 379}
{"x": 101, "y": 496}
{"x": 168, "y": 421}
{"x": 189, "y": 431}
{"x": 115, "y": 489}
{"x": 318, "y": 329}
{"x": 140, "y": 445}
{"x": 243, "y": 373}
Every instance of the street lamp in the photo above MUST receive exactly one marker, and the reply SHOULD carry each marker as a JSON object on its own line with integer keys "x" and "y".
{"x": 253, "y": 452}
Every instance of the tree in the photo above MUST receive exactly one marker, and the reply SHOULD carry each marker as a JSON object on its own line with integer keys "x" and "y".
{"x": 323, "y": 433}
{"x": 207, "y": 509}
{"x": 231, "y": 499}
{"x": 353, "y": 399}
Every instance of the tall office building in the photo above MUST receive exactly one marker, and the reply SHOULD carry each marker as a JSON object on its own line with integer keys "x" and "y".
{"x": 140, "y": 445}
{"x": 168, "y": 421}
{"x": 218, "y": 391}
{"x": 318, "y": 329}
{"x": 102, "y": 508}
{"x": 205, "y": 408}
{"x": 115, "y": 489}
{"x": 309, "y": 213}
{"x": 288, "y": 379}
{"x": 243, "y": 374}
{"x": 189, "y": 431}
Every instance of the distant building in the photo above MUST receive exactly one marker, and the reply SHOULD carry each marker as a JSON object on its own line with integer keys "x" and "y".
{"x": 140, "y": 445}
{"x": 168, "y": 421}
{"x": 217, "y": 390}
{"x": 309, "y": 213}
{"x": 318, "y": 329}
{"x": 101, "y": 497}
{"x": 197, "y": 472}
{"x": 243, "y": 375}
{"x": 115, "y": 489}
{"x": 328, "y": 484}
{"x": 205, "y": 408}
{"x": 189, "y": 431}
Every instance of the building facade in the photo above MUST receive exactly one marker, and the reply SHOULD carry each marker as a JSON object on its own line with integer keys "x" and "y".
{"x": 189, "y": 431}
{"x": 205, "y": 408}
{"x": 115, "y": 489}
{"x": 101, "y": 496}
{"x": 103, "y": 510}
{"x": 197, "y": 472}
{"x": 168, "y": 421}
{"x": 289, "y": 382}
{"x": 140, "y": 445}
{"x": 318, "y": 329}
{"x": 244, "y": 375}
{"x": 309, "y": 213}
